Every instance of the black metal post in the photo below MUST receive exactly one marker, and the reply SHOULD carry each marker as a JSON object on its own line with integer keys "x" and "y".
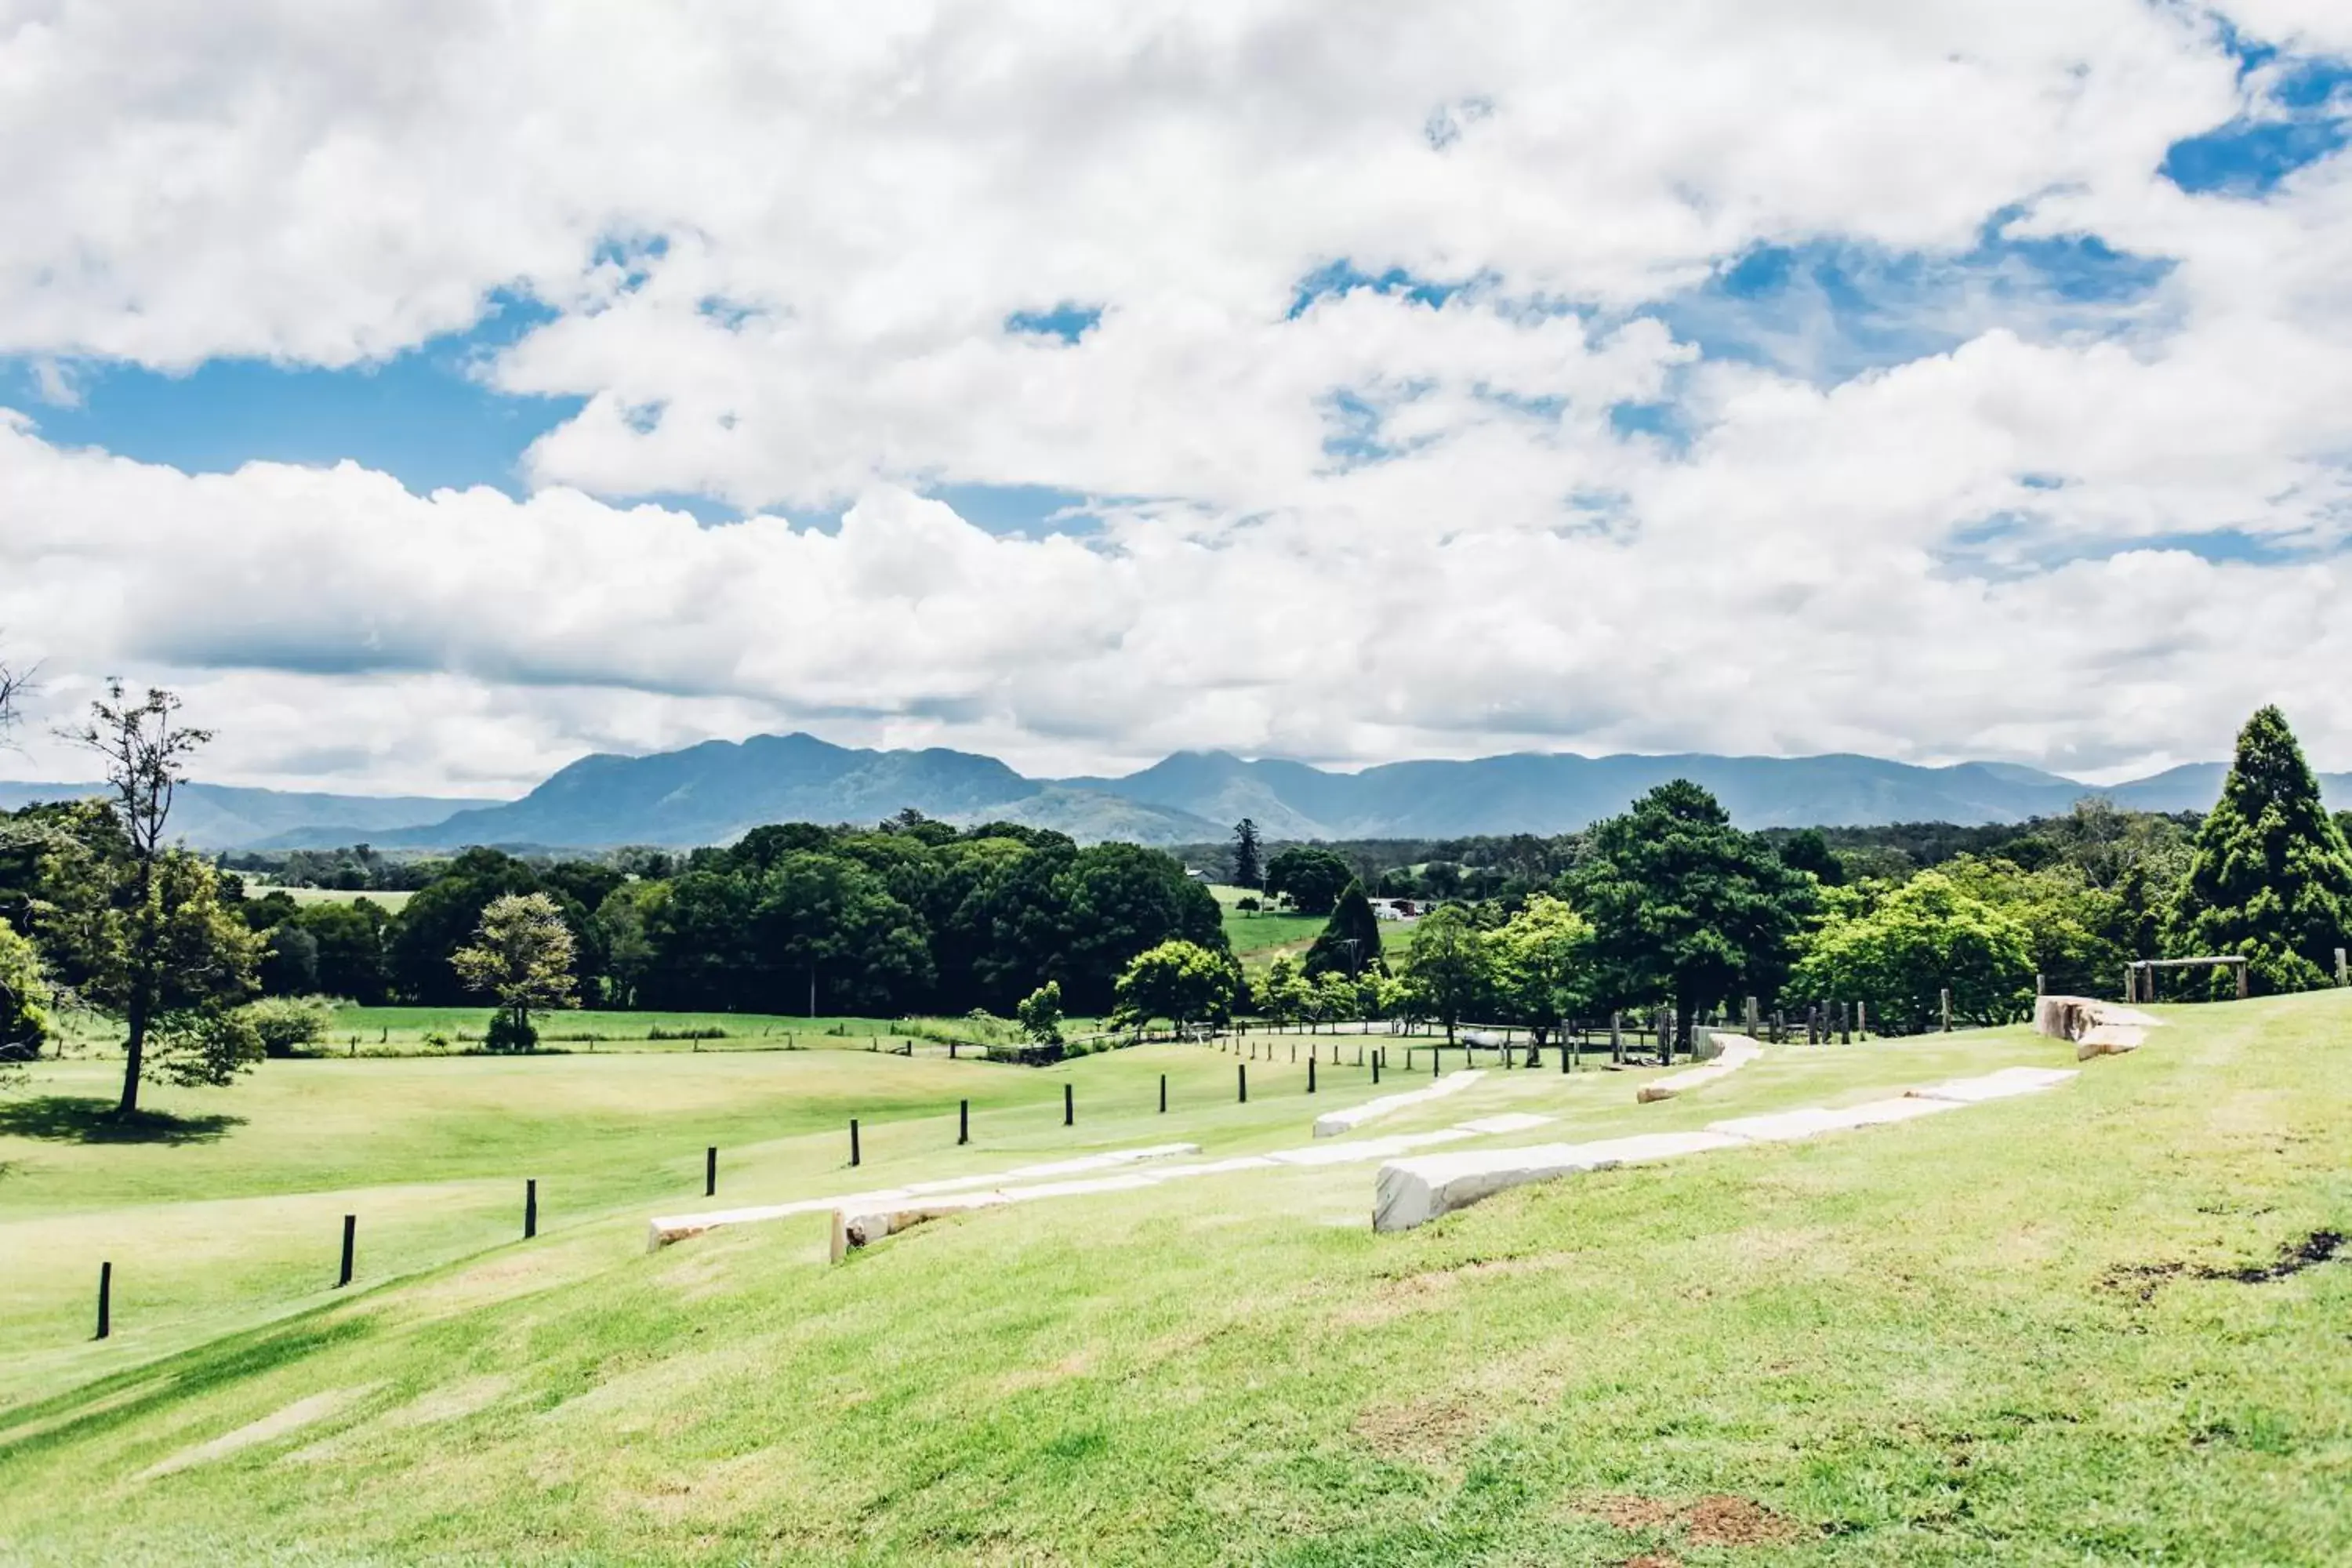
{"x": 105, "y": 1300}
{"x": 853, "y": 1142}
{"x": 964, "y": 1121}
{"x": 711, "y": 1172}
{"x": 531, "y": 1208}
{"x": 351, "y": 1234}
{"x": 1242, "y": 1068}
{"x": 1310, "y": 1075}
{"x": 1164, "y": 1094}
{"x": 1069, "y": 1106}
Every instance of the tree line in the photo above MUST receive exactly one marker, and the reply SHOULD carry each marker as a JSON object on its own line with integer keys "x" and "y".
{"x": 1670, "y": 905}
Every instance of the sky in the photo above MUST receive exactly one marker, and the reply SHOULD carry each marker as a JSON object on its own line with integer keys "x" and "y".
{"x": 432, "y": 392}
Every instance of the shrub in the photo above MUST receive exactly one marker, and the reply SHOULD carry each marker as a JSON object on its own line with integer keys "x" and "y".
{"x": 287, "y": 1025}
{"x": 509, "y": 1033}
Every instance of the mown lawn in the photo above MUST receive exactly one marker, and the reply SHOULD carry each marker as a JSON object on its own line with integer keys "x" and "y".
{"x": 2041, "y": 1330}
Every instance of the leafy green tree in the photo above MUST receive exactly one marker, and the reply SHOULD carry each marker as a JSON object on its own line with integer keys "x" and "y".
{"x": 2076, "y": 933}
{"x": 1338, "y": 997}
{"x": 1310, "y": 876}
{"x": 1450, "y": 968}
{"x": 152, "y": 945}
{"x": 2271, "y": 879}
{"x": 159, "y": 948}
{"x": 621, "y": 929}
{"x": 24, "y": 998}
{"x": 1283, "y": 992}
{"x": 443, "y": 916}
{"x": 1807, "y": 850}
{"x": 521, "y": 959}
{"x": 1249, "y": 858}
{"x": 1117, "y": 900}
{"x": 1039, "y": 1013}
{"x": 825, "y": 925}
{"x": 1686, "y": 907}
{"x": 1182, "y": 981}
{"x": 1898, "y": 953}
{"x": 349, "y": 939}
{"x": 1350, "y": 939}
{"x": 1543, "y": 962}
{"x": 287, "y": 1025}
{"x": 701, "y": 933}
{"x": 290, "y": 961}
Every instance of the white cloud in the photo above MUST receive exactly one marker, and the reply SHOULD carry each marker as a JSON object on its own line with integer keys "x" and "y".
{"x": 783, "y": 242}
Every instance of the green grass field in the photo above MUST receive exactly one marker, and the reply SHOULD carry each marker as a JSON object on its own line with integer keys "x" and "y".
{"x": 1258, "y": 938}
{"x": 392, "y": 902}
{"x": 2042, "y": 1331}
{"x": 579, "y": 1029}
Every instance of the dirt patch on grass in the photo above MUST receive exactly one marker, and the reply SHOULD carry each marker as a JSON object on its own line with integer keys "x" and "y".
{"x": 446, "y": 1402}
{"x": 1077, "y": 1364}
{"x": 1629, "y": 1510}
{"x": 1395, "y": 1295}
{"x": 2320, "y": 1247}
{"x": 1720, "y": 1519}
{"x": 1425, "y": 1431}
{"x": 1726, "y": 1520}
{"x": 252, "y": 1434}
{"x": 2141, "y": 1280}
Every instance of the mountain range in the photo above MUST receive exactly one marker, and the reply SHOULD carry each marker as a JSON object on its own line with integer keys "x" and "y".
{"x": 227, "y": 817}
{"x": 710, "y": 794}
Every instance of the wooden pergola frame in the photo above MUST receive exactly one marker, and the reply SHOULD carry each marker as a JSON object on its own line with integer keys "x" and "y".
{"x": 2140, "y": 977}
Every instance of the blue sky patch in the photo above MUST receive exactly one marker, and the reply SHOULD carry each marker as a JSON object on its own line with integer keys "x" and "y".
{"x": 1830, "y": 310}
{"x": 424, "y": 416}
{"x": 1066, "y": 321}
{"x": 1343, "y": 277}
{"x": 1034, "y": 511}
{"x": 2303, "y": 115}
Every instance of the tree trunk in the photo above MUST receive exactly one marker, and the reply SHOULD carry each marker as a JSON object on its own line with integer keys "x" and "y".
{"x": 135, "y": 1050}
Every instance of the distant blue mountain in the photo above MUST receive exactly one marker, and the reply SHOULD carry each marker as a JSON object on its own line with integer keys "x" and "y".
{"x": 227, "y": 816}
{"x": 712, "y": 793}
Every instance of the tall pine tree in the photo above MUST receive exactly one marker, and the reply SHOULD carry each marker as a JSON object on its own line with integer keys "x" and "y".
{"x": 2272, "y": 880}
{"x": 1350, "y": 942}
{"x": 1249, "y": 860}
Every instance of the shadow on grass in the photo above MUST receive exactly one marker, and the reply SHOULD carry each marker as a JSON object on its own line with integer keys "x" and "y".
{"x": 67, "y": 1119}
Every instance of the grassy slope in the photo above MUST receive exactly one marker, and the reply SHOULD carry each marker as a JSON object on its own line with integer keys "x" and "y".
{"x": 1920, "y": 1344}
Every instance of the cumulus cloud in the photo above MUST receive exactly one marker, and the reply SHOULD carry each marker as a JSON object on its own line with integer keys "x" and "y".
{"x": 1409, "y": 381}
